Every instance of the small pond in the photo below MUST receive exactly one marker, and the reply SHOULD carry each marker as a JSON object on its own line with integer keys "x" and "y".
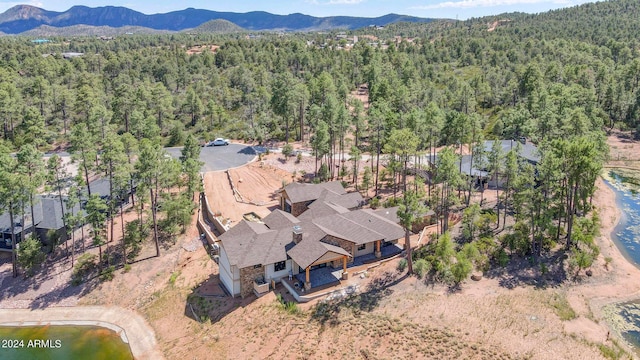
{"x": 625, "y": 317}
{"x": 61, "y": 342}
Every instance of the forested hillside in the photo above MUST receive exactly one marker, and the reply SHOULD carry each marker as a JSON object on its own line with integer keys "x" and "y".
{"x": 557, "y": 79}
{"x": 22, "y": 18}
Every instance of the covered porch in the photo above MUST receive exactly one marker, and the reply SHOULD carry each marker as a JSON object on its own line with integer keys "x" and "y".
{"x": 322, "y": 260}
{"x": 324, "y": 276}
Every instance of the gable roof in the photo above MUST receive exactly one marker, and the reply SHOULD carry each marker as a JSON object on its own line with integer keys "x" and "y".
{"x": 52, "y": 215}
{"x": 465, "y": 166}
{"x": 249, "y": 243}
{"x": 348, "y": 200}
{"x": 320, "y": 209}
{"x": 46, "y": 210}
{"x": 344, "y": 228}
{"x": 279, "y": 219}
{"x": 370, "y": 220}
{"x": 307, "y": 252}
{"x": 308, "y": 192}
{"x": 390, "y": 214}
{"x": 5, "y": 219}
{"x": 527, "y": 150}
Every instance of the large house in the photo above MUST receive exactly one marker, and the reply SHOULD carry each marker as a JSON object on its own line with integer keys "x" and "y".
{"x": 325, "y": 233}
{"x": 295, "y": 198}
{"x": 479, "y": 169}
{"x": 48, "y": 216}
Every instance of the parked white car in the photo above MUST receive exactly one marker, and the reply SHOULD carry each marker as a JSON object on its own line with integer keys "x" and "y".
{"x": 219, "y": 142}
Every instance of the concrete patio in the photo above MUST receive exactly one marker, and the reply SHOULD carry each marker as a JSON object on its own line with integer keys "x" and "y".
{"x": 326, "y": 278}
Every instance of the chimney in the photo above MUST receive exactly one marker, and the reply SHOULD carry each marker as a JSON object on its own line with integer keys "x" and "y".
{"x": 297, "y": 234}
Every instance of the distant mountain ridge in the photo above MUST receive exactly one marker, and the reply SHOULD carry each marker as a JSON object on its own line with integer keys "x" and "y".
{"x": 21, "y": 18}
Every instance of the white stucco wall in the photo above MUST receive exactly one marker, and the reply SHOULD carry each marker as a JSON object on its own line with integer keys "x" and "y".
{"x": 271, "y": 274}
{"x": 230, "y": 276}
{"x": 367, "y": 250}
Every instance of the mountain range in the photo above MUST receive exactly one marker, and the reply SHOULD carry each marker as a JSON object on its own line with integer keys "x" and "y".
{"x": 23, "y": 18}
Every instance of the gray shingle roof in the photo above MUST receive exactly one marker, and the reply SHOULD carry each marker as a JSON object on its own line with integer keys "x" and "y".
{"x": 466, "y": 167}
{"x": 344, "y": 228}
{"x": 307, "y": 252}
{"x": 5, "y": 223}
{"x": 321, "y": 209}
{"x": 46, "y": 210}
{"x": 249, "y": 243}
{"x": 349, "y": 200}
{"x": 390, "y": 214}
{"x": 279, "y": 219}
{"x": 306, "y": 192}
{"x": 370, "y": 220}
{"x": 527, "y": 151}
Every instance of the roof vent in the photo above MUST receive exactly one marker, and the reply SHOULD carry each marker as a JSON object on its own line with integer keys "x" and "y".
{"x": 297, "y": 229}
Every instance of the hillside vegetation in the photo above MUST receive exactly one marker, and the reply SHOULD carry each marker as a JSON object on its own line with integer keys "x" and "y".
{"x": 218, "y": 26}
{"x": 21, "y": 18}
{"x": 445, "y": 83}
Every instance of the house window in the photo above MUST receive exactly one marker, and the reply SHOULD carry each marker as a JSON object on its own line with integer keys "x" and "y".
{"x": 257, "y": 266}
{"x": 362, "y": 247}
{"x": 279, "y": 266}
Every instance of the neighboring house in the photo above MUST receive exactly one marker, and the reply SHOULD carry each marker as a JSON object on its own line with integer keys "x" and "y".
{"x": 5, "y": 226}
{"x": 326, "y": 234}
{"x": 295, "y": 198}
{"x": 48, "y": 215}
{"x": 100, "y": 187}
{"x": 527, "y": 152}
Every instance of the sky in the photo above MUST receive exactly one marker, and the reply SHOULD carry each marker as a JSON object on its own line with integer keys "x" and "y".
{"x": 450, "y": 9}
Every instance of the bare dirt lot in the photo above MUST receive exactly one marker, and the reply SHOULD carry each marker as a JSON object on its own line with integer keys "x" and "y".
{"x": 508, "y": 314}
{"x": 257, "y": 185}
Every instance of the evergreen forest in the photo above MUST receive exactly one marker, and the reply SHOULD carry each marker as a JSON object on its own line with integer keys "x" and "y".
{"x": 560, "y": 80}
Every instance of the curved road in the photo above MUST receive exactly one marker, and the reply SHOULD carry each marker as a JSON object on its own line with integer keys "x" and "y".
{"x": 221, "y": 157}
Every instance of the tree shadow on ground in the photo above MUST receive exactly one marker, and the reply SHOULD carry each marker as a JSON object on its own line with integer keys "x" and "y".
{"x": 523, "y": 272}
{"x": 248, "y": 150}
{"x": 209, "y": 301}
{"x": 625, "y": 137}
{"x": 327, "y": 312}
{"x": 44, "y": 284}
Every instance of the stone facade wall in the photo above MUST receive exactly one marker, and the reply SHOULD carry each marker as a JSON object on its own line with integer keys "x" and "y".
{"x": 247, "y": 276}
{"x": 296, "y": 208}
{"x": 348, "y": 246}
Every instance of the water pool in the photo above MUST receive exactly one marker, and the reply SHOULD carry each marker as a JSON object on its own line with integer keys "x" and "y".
{"x": 61, "y": 342}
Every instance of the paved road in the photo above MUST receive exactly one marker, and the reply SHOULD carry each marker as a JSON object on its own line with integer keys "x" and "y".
{"x": 221, "y": 157}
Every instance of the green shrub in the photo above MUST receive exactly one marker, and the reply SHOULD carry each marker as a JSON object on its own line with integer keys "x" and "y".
{"x": 544, "y": 269}
{"x": 323, "y": 172}
{"x": 287, "y": 150}
{"x": 85, "y": 265}
{"x": 562, "y": 307}
{"x": 288, "y": 306}
{"x": 402, "y": 264}
{"x": 107, "y": 273}
{"x": 502, "y": 258}
{"x": 461, "y": 269}
{"x": 613, "y": 352}
{"x": 30, "y": 254}
{"x": 421, "y": 268}
{"x": 174, "y": 277}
